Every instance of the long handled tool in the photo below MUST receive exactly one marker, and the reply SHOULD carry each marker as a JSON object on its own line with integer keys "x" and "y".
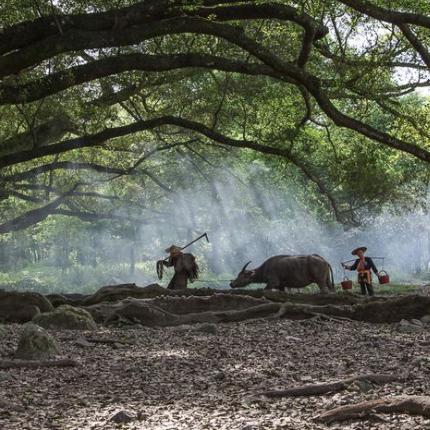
{"x": 160, "y": 266}
{"x": 195, "y": 240}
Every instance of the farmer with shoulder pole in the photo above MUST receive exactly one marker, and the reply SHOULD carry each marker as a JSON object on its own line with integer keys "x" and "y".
{"x": 184, "y": 264}
{"x": 363, "y": 265}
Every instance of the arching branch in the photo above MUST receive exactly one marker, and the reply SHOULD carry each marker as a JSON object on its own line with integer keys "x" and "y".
{"x": 101, "y": 137}
{"x": 125, "y": 31}
{"x": 66, "y": 165}
{"x": 60, "y": 81}
{"x": 272, "y": 66}
{"x": 34, "y": 216}
{"x": 388, "y": 15}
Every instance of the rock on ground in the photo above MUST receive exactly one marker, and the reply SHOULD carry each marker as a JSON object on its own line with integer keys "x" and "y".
{"x": 36, "y": 344}
{"x": 66, "y": 317}
{"x": 122, "y": 417}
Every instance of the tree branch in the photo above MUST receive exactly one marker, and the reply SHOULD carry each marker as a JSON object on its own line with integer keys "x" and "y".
{"x": 416, "y": 43}
{"x": 91, "y": 216}
{"x": 60, "y": 81}
{"x": 388, "y": 15}
{"x": 275, "y": 67}
{"x": 34, "y": 216}
{"x": 131, "y": 32}
{"x": 66, "y": 165}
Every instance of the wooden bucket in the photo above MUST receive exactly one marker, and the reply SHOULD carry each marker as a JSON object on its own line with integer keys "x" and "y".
{"x": 346, "y": 284}
{"x": 383, "y": 277}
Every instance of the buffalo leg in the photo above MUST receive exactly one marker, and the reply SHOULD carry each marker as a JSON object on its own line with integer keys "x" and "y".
{"x": 323, "y": 288}
{"x": 273, "y": 285}
{"x": 330, "y": 285}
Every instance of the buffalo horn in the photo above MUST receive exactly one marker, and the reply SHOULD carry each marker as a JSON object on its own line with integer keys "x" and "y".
{"x": 244, "y": 267}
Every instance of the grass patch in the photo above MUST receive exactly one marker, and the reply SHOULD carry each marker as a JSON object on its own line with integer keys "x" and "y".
{"x": 385, "y": 289}
{"x": 88, "y": 279}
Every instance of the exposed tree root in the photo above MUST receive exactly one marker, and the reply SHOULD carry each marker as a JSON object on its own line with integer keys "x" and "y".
{"x": 411, "y": 405}
{"x": 171, "y": 311}
{"x": 115, "y": 293}
{"x": 156, "y": 306}
{"x": 147, "y": 314}
{"x": 21, "y": 307}
{"x": 378, "y": 311}
{"x": 329, "y": 387}
{"x": 66, "y": 362}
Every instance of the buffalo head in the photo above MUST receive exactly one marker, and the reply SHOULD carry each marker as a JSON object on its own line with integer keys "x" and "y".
{"x": 245, "y": 277}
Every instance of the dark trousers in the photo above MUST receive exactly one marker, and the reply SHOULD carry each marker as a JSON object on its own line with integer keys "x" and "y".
{"x": 366, "y": 288}
{"x": 179, "y": 281}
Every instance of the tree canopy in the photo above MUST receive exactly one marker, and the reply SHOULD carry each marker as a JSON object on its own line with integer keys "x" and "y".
{"x": 105, "y": 105}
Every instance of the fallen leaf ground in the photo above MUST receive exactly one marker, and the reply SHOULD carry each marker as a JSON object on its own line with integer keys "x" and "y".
{"x": 182, "y": 378}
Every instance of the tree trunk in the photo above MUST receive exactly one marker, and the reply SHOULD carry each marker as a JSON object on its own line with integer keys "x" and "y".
{"x": 132, "y": 260}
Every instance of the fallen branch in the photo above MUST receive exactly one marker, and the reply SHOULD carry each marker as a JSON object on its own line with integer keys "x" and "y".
{"x": 411, "y": 405}
{"x": 329, "y": 387}
{"x": 33, "y": 364}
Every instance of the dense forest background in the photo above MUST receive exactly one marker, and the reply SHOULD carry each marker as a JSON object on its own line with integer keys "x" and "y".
{"x": 284, "y": 127}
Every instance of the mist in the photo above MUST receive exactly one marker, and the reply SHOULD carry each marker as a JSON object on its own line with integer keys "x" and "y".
{"x": 246, "y": 220}
{"x": 253, "y": 222}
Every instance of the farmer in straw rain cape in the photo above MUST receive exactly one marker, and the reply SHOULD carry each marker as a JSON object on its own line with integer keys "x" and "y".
{"x": 185, "y": 266}
{"x": 363, "y": 265}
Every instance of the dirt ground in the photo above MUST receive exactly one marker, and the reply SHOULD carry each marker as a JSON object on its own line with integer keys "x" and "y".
{"x": 184, "y": 378}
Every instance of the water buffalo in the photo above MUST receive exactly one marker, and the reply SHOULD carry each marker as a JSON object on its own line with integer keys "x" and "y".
{"x": 288, "y": 271}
